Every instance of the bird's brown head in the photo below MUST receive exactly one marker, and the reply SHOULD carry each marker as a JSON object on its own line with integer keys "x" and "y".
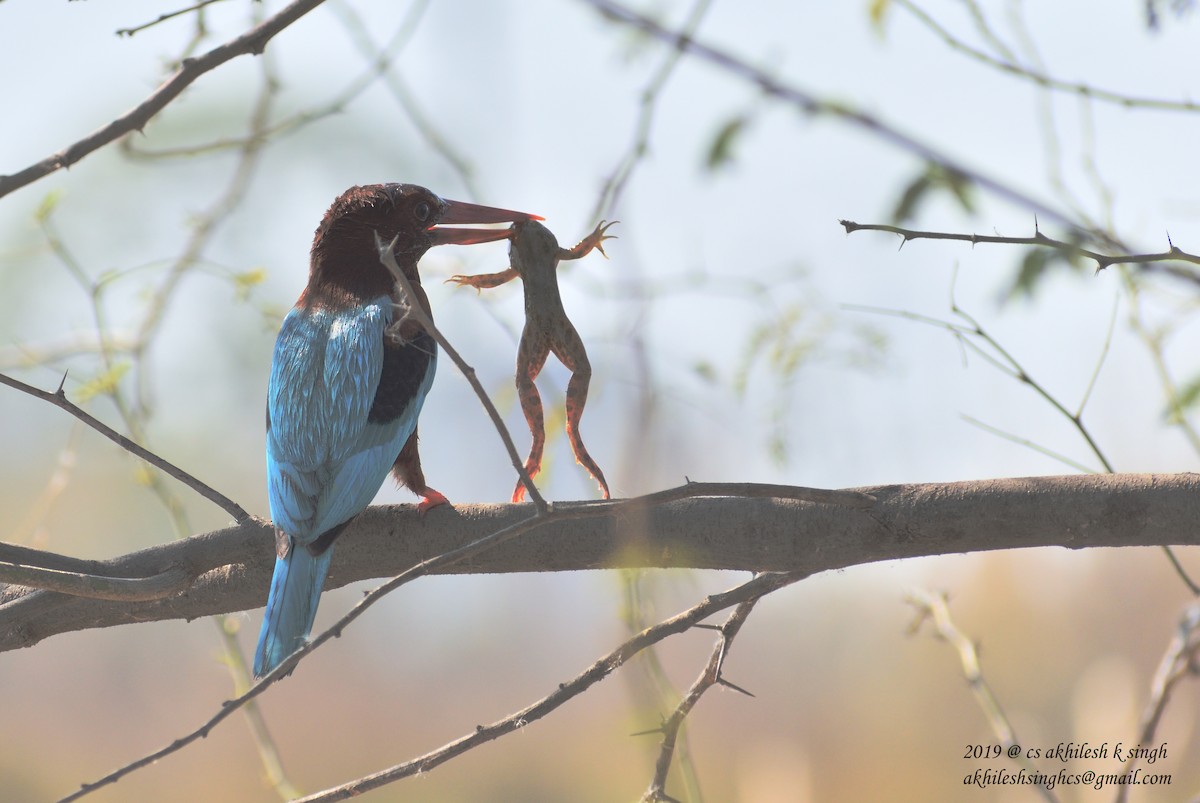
{"x": 344, "y": 254}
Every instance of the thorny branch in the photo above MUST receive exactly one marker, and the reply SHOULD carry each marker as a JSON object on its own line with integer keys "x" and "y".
{"x": 751, "y": 590}
{"x": 158, "y": 581}
{"x": 710, "y": 676}
{"x": 809, "y": 103}
{"x": 59, "y": 399}
{"x": 1149, "y": 261}
{"x": 251, "y": 42}
{"x": 761, "y": 584}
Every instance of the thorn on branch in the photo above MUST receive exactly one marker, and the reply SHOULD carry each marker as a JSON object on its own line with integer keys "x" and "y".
{"x": 730, "y": 685}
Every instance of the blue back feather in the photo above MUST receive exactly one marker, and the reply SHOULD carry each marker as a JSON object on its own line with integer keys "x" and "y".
{"x": 325, "y": 459}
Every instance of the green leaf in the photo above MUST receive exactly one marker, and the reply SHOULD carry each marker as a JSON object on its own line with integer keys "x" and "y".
{"x": 1188, "y": 396}
{"x": 906, "y": 207}
{"x": 720, "y": 152}
{"x": 706, "y": 371}
{"x": 46, "y": 207}
{"x": 104, "y": 384}
{"x": 878, "y": 11}
{"x": 934, "y": 178}
{"x": 1035, "y": 266}
{"x": 246, "y": 281}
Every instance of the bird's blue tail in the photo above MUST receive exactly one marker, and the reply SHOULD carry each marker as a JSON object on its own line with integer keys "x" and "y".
{"x": 291, "y": 606}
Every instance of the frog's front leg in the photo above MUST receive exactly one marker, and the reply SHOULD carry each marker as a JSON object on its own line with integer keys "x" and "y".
{"x": 531, "y": 356}
{"x": 483, "y": 281}
{"x": 568, "y": 347}
{"x": 594, "y": 240}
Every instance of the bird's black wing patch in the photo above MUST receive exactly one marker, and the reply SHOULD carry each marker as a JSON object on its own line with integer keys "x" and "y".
{"x": 404, "y": 370}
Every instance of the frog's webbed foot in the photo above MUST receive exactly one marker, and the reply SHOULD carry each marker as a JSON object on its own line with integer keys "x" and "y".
{"x": 483, "y": 281}
{"x": 594, "y": 240}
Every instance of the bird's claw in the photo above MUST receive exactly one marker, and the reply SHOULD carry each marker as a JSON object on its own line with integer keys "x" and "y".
{"x": 430, "y": 500}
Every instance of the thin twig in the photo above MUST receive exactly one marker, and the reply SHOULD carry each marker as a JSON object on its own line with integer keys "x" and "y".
{"x": 131, "y": 146}
{"x": 1041, "y": 78}
{"x": 1006, "y": 362}
{"x": 1028, "y": 444}
{"x": 418, "y": 314}
{"x": 92, "y": 586}
{"x": 932, "y": 607}
{"x": 1148, "y": 261}
{"x": 251, "y": 42}
{"x": 1178, "y": 662}
{"x": 710, "y": 676}
{"x": 59, "y": 399}
{"x": 752, "y": 589}
{"x": 756, "y": 490}
{"x": 164, "y": 18}
{"x": 381, "y": 60}
{"x": 809, "y": 103}
{"x": 610, "y": 194}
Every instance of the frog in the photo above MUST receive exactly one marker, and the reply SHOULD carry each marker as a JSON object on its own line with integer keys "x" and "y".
{"x": 534, "y": 256}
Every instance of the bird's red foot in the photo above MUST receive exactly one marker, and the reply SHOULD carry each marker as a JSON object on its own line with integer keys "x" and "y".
{"x": 430, "y": 500}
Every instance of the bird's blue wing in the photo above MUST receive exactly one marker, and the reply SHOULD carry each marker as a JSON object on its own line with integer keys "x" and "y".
{"x": 325, "y": 458}
{"x": 340, "y": 406}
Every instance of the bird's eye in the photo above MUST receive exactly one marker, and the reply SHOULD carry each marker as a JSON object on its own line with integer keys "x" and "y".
{"x": 422, "y": 211}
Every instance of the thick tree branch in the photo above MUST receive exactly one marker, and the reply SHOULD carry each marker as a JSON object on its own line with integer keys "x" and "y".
{"x": 234, "y": 565}
{"x": 251, "y": 42}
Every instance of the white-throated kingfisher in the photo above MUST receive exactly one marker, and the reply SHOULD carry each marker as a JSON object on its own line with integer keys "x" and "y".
{"x": 345, "y": 393}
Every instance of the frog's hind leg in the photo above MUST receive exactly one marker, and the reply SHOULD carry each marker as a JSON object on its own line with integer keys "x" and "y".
{"x": 573, "y": 355}
{"x": 531, "y": 356}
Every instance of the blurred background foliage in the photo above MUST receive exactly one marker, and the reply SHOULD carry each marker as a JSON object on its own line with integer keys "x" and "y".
{"x": 728, "y": 339}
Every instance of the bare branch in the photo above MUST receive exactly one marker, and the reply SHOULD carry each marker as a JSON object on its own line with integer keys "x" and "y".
{"x": 233, "y": 566}
{"x": 809, "y": 103}
{"x": 252, "y": 42}
{"x": 59, "y": 399}
{"x": 1041, "y": 78}
{"x": 710, "y": 676}
{"x": 417, "y": 313}
{"x": 131, "y": 589}
{"x": 1178, "y": 662}
{"x": 1148, "y": 261}
{"x": 932, "y": 607}
{"x": 610, "y": 194}
{"x": 164, "y": 17}
{"x": 753, "y": 589}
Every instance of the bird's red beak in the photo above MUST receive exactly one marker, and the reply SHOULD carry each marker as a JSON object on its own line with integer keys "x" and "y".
{"x": 462, "y": 212}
